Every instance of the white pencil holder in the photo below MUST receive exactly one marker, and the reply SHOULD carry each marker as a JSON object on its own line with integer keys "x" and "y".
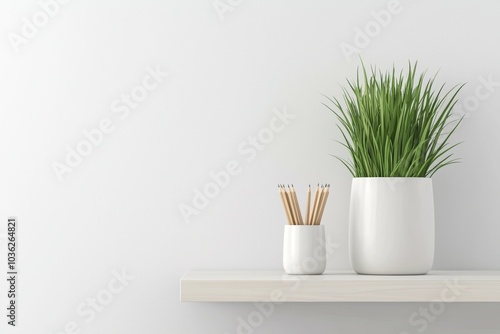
{"x": 304, "y": 249}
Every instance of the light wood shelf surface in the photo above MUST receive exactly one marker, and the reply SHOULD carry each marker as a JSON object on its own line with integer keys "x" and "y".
{"x": 340, "y": 286}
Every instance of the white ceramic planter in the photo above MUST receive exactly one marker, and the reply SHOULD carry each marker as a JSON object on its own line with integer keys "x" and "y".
{"x": 304, "y": 249}
{"x": 391, "y": 226}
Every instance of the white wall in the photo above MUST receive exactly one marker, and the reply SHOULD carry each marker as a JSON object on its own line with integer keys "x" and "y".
{"x": 119, "y": 207}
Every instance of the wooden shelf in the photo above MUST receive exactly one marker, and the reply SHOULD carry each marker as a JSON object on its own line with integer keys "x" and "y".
{"x": 339, "y": 286}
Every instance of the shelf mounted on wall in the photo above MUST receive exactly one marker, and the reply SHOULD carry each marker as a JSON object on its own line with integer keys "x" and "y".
{"x": 339, "y": 286}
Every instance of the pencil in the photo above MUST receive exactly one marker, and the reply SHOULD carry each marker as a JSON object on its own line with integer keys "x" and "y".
{"x": 293, "y": 206}
{"x": 308, "y": 210}
{"x": 289, "y": 205}
{"x": 315, "y": 205}
{"x": 287, "y": 209}
{"x": 320, "y": 203}
{"x": 323, "y": 204}
{"x": 297, "y": 206}
{"x": 314, "y": 208}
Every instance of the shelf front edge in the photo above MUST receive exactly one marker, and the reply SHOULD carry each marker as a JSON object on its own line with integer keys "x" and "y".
{"x": 248, "y": 287}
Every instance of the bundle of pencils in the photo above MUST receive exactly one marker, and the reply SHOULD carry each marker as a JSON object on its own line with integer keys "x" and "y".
{"x": 292, "y": 209}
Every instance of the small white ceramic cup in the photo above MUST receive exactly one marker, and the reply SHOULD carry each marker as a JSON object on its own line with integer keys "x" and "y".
{"x": 304, "y": 249}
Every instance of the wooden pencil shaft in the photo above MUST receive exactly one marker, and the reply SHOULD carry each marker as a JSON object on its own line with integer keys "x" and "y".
{"x": 294, "y": 205}
{"x": 320, "y": 202}
{"x": 297, "y": 206}
{"x": 315, "y": 206}
{"x": 287, "y": 200}
{"x": 327, "y": 193}
{"x": 322, "y": 205}
{"x": 291, "y": 206}
{"x": 287, "y": 209}
{"x": 308, "y": 209}
{"x": 311, "y": 213}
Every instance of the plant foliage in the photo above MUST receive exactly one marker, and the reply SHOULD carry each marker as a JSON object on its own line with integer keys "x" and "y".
{"x": 395, "y": 125}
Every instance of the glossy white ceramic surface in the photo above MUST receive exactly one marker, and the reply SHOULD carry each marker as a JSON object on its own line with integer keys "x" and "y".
{"x": 391, "y": 226}
{"x": 304, "y": 249}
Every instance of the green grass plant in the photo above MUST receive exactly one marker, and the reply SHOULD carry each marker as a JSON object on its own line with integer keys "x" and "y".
{"x": 396, "y": 124}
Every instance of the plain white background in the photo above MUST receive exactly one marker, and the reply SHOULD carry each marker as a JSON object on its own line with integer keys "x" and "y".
{"x": 228, "y": 75}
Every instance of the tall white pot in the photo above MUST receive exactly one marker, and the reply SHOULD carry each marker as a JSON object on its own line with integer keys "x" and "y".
{"x": 391, "y": 226}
